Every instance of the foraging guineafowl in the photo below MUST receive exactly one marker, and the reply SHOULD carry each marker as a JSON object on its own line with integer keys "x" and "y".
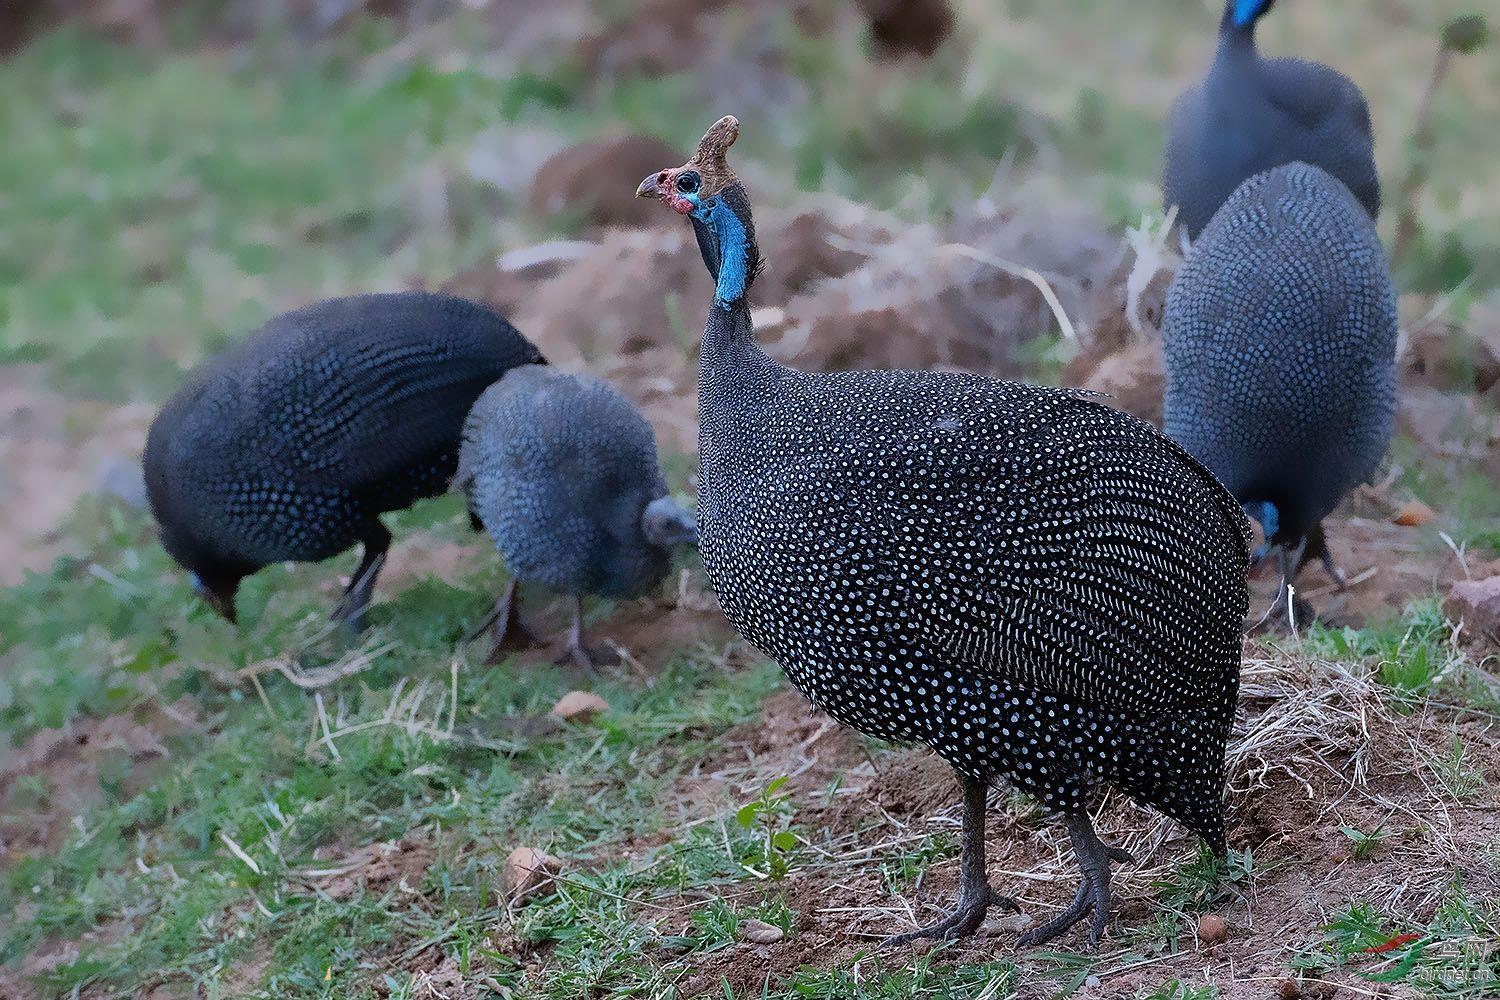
{"x": 561, "y": 470}
{"x": 1035, "y": 585}
{"x": 1251, "y": 114}
{"x": 1280, "y": 339}
{"x": 290, "y": 445}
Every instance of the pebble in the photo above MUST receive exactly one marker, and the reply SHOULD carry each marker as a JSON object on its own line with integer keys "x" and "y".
{"x": 1212, "y": 929}
{"x": 1414, "y": 515}
{"x": 760, "y": 932}
{"x": 579, "y": 706}
{"x": 527, "y": 871}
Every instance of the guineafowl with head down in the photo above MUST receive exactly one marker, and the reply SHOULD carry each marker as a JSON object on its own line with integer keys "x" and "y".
{"x": 1250, "y": 114}
{"x": 1280, "y": 340}
{"x": 289, "y": 446}
{"x": 1033, "y": 584}
{"x": 562, "y": 471}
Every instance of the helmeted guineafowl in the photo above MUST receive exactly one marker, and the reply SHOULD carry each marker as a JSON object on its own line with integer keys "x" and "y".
{"x": 561, "y": 469}
{"x": 290, "y": 445}
{"x": 1251, "y": 114}
{"x": 1033, "y": 584}
{"x": 1280, "y": 339}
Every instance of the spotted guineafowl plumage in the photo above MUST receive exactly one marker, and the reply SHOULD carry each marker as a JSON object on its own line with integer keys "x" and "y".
{"x": 1035, "y": 585}
{"x": 562, "y": 471}
{"x": 290, "y": 445}
{"x": 1250, "y": 114}
{"x": 1280, "y": 337}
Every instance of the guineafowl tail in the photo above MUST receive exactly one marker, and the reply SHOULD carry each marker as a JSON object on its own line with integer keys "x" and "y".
{"x": 1180, "y": 769}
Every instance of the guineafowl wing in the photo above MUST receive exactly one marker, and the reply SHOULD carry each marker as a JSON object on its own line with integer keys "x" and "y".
{"x": 1312, "y": 94}
{"x": 372, "y": 390}
{"x": 1069, "y": 548}
{"x": 392, "y": 406}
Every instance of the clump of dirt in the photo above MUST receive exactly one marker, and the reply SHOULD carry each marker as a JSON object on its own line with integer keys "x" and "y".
{"x": 1441, "y": 354}
{"x": 661, "y": 37}
{"x": 951, "y": 298}
{"x": 591, "y": 181}
{"x": 1121, "y": 355}
{"x": 67, "y": 769}
{"x": 908, "y": 27}
{"x": 735, "y": 58}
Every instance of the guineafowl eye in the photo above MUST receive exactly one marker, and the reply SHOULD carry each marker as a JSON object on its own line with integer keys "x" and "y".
{"x": 687, "y": 181}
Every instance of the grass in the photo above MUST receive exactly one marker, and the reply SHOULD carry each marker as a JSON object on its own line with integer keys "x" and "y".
{"x": 1452, "y": 954}
{"x": 158, "y": 860}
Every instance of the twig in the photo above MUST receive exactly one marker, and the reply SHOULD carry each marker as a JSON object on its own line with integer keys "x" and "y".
{"x": 1019, "y": 271}
{"x": 323, "y": 721}
{"x": 239, "y": 852}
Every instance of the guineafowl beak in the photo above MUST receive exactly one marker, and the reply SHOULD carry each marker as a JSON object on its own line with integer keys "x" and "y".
{"x": 652, "y": 186}
{"x": 222, "y": 601}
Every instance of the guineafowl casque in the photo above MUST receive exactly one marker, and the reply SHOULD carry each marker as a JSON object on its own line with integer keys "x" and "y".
{"x": 290, "y": 445}
{"x": 1251, "y": 114}
{"x": 1280, "y": 340}
{"x": 561, "y": 470}
{"x": 1033, "y": 584}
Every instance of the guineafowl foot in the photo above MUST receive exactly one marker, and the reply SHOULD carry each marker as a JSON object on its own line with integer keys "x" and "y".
{"x": 1093, "y": 895}
{"x": 351, "y": 607}
{"x": 1317, "y": 548}
{"x": 577, "y": 652}
{"x": 507, "y": 633}
{"x": 585, "y": 658}
{"x": 964, "y": 920}
{"x": 975, "y": 896}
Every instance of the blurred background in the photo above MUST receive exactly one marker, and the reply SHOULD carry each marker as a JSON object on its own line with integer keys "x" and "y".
{"x": 177, "y": 171}
{"x": 174, "y": 172}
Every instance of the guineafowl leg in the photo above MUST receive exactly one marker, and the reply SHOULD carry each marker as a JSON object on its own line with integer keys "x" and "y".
{"x": 1317, "y": 548}
{"x": 351, "y": 608}
{"x": 504, "y": 625}
{"x": 1093, "y": 891}
{"x": 1287, "y": 604}
{"x": 975, "y": 896}
{"x": 577, "y": 651}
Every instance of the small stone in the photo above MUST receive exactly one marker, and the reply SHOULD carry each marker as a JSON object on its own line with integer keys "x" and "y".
{"x": 1212, "y": 929}
{"x": 1092, "y": 982}
{"x": 579, "y": 706}
{"x": 1414, "y": 515}
{"x": 1476, "y": 603}
{"x": 1287, "y": 989}
{"x": 526, "y": 872}
{"x": 760, "y": 932}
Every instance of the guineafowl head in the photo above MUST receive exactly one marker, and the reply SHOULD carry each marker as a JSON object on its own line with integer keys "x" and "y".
{"x": 181, "y": 431}
{"x": 707, "y": 192}
{"x": 666, "y": 523}
{"x": 1244, "y": 13}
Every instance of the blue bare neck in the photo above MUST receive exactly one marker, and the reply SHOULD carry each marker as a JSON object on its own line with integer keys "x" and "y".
{"x": 733, "y": 260}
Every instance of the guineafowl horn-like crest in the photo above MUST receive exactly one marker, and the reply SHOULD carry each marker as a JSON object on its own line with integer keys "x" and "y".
{"x": 709, "y": 161}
